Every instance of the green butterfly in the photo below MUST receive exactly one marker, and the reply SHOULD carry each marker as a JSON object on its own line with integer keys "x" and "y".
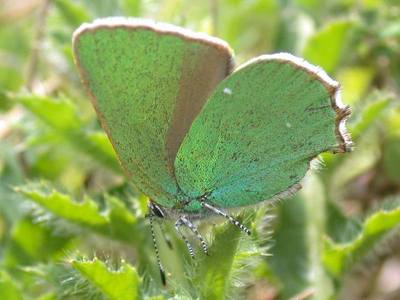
{"x": 195, "y": 137}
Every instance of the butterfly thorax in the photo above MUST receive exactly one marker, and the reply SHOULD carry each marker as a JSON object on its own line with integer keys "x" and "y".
{"x": 183, "y": 205}
{"x": 193, "y": 206}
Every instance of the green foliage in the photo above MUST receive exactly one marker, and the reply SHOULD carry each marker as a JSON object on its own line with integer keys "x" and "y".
{"x": 290, "y": 263}
{"x": 334, "y": 35}
{"x": 43, "y": 244}
{"x": 122, "y": 284}
{"x": 83, "y": 234}
{"x": 8, "y": 289}
{"x": 61, "y": 116}
{"x": 339, "y": 257}
{"x": 116, "y": 221}
{"x": 216, "y": 270}
{"x": 371, "y": 112}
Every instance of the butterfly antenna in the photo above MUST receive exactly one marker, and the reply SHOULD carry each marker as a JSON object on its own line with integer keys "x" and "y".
{"x": 194, "y": 229}
{"x": 153, "y": 236}
{"x": 178, "y": 225}
{"x": 225, "y": 215}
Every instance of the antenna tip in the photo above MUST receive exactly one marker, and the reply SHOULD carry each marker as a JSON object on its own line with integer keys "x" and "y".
{"x": 163, "y": 278}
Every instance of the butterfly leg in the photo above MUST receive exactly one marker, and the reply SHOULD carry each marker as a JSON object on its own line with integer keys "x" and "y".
{"x": 178, "y": 225}
{"x": 194, "y": 229}
{"x": 225, "y": 215}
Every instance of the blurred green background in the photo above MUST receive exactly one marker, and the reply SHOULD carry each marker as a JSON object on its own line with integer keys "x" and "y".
{"x": 73, "y": 227}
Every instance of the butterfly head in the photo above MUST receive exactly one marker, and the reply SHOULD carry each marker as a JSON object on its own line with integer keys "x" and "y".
{"x": 156, "y": 210}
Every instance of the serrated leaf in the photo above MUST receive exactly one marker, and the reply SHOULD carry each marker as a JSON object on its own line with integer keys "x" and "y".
{"x": 338, "y": 258}
{"x": 116, "y": 221}
{"x": 61, "y": 115}
{"x": 83, "y": 213}
{"x": 122, "y": 284}
{"x": 8, "y": 289}
{"x": 325, "y": 47}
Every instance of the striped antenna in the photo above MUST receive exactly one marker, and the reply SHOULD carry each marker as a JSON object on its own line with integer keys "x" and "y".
{"x": 225, "y": 215}
{"x": 153, "y": 236}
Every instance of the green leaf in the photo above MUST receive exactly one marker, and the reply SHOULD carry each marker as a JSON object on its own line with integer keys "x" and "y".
{"x": 325, "y": 47}
{"x": 289, "y": 254}
{"x": 83, "y": 213}
{"x": 32, "y": 242}
{"x": 116, "y": 221}
{"x": 354, "y": 81}
{"x": 339, "y": 227}
{"x": 298, "y": 237}
{"x": 314, "y": 195}
{"x": 215, "y": 270}
{"x": 61, "y": 115}
{"x": 8, "y": 289}
{"x": 214, "y": 275}
{"x": 101, "y": 142}
{"x": 338, "y": 258}
{"x": 371, "y": 112}
{"x": 122, "y": 284}
{"x": 73, "y": 13}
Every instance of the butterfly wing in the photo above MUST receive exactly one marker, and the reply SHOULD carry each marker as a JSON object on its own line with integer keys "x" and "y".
{"x": 256, "y": 136}
{"x": 147, "y": 82}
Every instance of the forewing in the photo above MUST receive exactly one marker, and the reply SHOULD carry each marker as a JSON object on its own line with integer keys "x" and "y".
{"x": 147, "y": 82}
{"x": 256, "y": 136}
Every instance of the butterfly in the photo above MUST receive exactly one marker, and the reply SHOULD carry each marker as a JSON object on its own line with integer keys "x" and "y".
{"x": 195, "y": 136}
